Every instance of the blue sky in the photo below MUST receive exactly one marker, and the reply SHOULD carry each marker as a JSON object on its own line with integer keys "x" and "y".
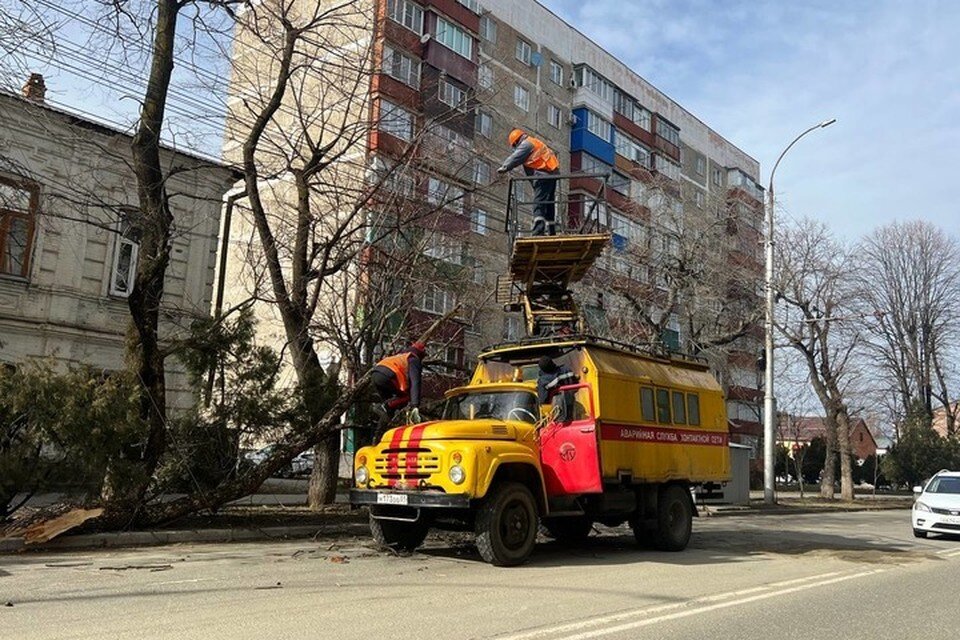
{"x": 762, "y": 72}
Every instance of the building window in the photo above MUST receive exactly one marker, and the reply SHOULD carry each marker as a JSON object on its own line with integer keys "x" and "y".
{"x": 619, "y": 183}
{"x": 589, "y": 164}
{"x": 485, "y": 76}
{"x": 512, "y": 328}
{"x": 641, "y": 117}
{"x": 18, "y": 211}
{"x": 701, "y": 166}
{"x": 521, "y": 97}
{"x": 556, "y": 72}
{"x": 554, "y": 115}
{"x": 433, "y": 299}
{"x": 451, "y": 94}
{"x": 406, "y": 13}
{"x": 441, "y": 193}
{"x": 478, "y": 221}
{"x": 700, "y": 199}
{"x": 454, "y": 38}
{"x": 598, "y": 126}
{"x": 718, "y": 177}
{"x": 125, "y": 254}
{"x": 481, "y": 172}
{"x": 484, "y": 124}
{"x": 445, "y": 249}
{"x": 667, "y": 168}
{"x": 668, "y": 132}
{"x": 632, "y": 150}
{"x": 473, "y": 5}
{"x": 402, "y": 67}
{"x": 396, "y": 120}
{"x": 488, "y": 28}
{"x": 524, "y": 51}
{"x": 587, "y": 77}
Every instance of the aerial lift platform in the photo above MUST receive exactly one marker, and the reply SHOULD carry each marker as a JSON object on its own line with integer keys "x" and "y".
{"x": 541, "y": 271}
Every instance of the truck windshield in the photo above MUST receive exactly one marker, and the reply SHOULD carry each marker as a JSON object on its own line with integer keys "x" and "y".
{"x": 496, "y": 405}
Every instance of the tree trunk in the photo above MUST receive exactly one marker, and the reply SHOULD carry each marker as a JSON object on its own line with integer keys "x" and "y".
{"x": 828, "y": 478}
{"x": 126, "y": 483}
{"x": 846, "y": 466}
{"x": 326, "y": 467}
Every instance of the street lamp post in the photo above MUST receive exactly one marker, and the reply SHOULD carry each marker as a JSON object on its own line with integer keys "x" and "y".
{"x": 769, "y": 403}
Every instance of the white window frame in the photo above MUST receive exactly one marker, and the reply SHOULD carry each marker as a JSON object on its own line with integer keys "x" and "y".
{"x": 454, "y": 38}
{"x": 406, "y": 13}
{"x": 481, "y": 172}
{"x": 521, "y": 97}
{"x": 488, "y": 28}
{"x": 435, "y": 300}
{"x": 478, "y": 221}
{"x": 554, "y": 116}
{"x": 402, "y": 67}
{"x": 450, "y": 94}
{"x": 699, "y": 198}
{"x": 556, "y": 73}
{"x": 444, "y": 194}
{"x": 667, "y": 167}
{"x": 485, "y": 76}
{"x": 599, "y": 126}
{"x": 484, "y": 124}
{"x": 701, "y": 166}
{"x": 125, "y": 241}
{"x": 392, "y": 114}
{"x": 596, "y": 83}
{"x": 472, "y": 5}
{"x": 524, "y": 51}
{"x": 631, "y": 149}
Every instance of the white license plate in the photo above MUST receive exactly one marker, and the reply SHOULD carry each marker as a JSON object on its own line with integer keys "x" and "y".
{"x": 391, "y": 498}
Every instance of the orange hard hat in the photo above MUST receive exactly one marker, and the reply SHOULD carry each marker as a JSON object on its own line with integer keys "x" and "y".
{"x": 515, "y": 136}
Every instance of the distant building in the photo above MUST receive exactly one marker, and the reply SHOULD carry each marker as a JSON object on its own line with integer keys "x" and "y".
{"x": 69, "y": 238}
{"x": 797, "y": 431}
{"x": 940, "y": 424}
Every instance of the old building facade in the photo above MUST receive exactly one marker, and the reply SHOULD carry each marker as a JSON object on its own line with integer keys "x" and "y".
{"x": 69, "y": 240}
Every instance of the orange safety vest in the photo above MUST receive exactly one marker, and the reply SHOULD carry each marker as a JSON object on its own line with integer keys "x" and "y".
{"x": 399, "y": 365}
{"x": 542, "y": 158}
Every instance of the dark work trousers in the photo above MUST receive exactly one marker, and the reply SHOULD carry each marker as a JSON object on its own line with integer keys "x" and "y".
{"x": 385, "y": 382}
{"x": 545, "y": 209}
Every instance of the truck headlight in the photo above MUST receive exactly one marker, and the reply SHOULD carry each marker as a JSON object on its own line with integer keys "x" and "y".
{"x": 362, "y": 475}
{"x": 919, "y": 506}
{"x": 457, "y": 474}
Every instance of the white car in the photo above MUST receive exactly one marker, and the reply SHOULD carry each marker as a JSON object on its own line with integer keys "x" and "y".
{"x": 937, "y": 505}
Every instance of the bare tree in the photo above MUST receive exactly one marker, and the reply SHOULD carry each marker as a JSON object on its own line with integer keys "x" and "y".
{"x": 814, "y": 273}
{"x": 910, "y": 278}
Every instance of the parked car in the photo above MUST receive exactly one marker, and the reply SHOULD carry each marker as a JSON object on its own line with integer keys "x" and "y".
{"x": 303, "y": 463}
{"x": 936, "y": 508}
{"x": 294, "y": 468}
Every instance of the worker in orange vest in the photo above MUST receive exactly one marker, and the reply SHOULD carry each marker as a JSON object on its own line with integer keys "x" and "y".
{"x": 397, "y": 381}
{"x": 537, "y": 160}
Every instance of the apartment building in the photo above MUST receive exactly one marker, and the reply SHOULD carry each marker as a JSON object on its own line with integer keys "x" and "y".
{"x": 455, "y": 76}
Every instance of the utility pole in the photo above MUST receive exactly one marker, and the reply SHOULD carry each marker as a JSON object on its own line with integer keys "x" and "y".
{"x": 769, "y": 401}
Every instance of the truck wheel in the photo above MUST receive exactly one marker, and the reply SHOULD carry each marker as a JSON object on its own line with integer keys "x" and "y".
{"x": 674, "y": 519}
{"x": 399, "y": 535}
{"x": 572, "y": 530}
{"x": 506, "y": 525}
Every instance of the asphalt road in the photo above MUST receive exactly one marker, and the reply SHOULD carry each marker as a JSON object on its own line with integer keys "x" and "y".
{"x": 841, "y": 575}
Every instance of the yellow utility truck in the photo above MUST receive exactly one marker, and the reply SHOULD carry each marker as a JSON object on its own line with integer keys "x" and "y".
{"x": 625, "y": 443}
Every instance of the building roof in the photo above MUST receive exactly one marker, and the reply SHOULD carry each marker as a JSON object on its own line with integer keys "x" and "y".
{"x": 806, "y": 428}
{"x": 100, "y": 126}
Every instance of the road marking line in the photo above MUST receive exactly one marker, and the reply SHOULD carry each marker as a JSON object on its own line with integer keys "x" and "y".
{"x": 552, "y": 632}
{"x": 714, "y": 607}
{"x": 948, "y": 552}
{"x": 953, "y": 553}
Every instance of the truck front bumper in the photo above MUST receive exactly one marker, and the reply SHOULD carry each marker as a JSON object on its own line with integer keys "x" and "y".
{"x": 431, "y": 499}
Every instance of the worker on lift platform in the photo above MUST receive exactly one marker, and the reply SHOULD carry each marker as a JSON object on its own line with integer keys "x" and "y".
{"x": 537, "y": 159}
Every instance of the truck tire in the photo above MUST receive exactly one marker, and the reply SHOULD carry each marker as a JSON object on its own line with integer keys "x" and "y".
{"x": 674, "y": 519}
{"x": 506, "y": 525}
{"x": 572, "y": 530}
{"x": 399, "y": 535}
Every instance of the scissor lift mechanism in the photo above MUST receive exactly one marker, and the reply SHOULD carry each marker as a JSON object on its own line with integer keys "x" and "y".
{"x": 542, "y": 270}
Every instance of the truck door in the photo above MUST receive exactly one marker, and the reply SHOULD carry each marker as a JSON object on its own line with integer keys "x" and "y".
{"x": 569, "y": 453}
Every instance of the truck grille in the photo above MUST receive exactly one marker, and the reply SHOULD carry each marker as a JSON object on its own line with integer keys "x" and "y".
{"x": 406, "y": 464}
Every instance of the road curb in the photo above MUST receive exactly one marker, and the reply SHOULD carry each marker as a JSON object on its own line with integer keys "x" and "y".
{"x": 713, "y": 512}
{"x": 155, "y": 538}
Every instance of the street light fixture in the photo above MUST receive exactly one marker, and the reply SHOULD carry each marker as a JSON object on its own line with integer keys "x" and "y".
{"x": 769, "y": 404}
